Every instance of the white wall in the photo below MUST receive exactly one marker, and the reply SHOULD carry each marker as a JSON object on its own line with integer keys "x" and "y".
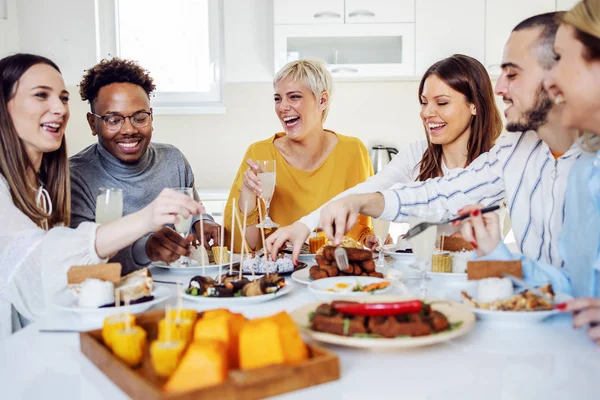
{"x": 384, "y": 112}
{"x": 9, "y": 28}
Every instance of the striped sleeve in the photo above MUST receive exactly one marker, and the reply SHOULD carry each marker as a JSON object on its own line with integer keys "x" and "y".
{"x": 481, "y": 182}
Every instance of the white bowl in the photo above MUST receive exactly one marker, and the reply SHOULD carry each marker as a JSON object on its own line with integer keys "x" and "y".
{"x": 403, "y": 258}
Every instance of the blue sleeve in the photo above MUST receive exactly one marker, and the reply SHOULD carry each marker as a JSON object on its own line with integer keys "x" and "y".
{"x": 534, "y": 272}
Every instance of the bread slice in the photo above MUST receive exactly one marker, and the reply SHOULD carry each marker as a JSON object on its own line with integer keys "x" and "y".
{"x": 136, "y": 285}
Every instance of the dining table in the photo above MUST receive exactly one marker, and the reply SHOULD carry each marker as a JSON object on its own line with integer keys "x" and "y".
{"x": 495, "y": 360}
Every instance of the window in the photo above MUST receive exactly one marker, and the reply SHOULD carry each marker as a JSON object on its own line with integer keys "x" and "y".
{"x": 178, "y": 41}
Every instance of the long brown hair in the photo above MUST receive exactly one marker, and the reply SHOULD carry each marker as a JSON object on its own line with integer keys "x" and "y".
{"x": 466, "y": 75}
{"x": 14, "y": 162}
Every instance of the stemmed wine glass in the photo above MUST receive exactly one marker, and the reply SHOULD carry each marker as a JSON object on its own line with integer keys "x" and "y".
{"x": 267, "y": 177}
{"x": 109, "y": 205}
{"x": 423, "y": 244}
{"x": 381, "y": 228}
{"x": 183, "y": 226}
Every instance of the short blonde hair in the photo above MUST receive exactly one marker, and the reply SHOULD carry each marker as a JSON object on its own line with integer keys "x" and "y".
{"x": 312, "y": 73}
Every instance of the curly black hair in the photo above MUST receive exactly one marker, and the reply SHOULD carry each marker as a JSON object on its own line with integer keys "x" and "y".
{"x": 115, "y": 70}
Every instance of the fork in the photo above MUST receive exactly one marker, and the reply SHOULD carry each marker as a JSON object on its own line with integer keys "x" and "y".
{"x": 341, "y": 257}
{"x": 423, "y": 226}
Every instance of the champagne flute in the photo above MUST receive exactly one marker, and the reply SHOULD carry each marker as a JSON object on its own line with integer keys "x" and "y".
{"x": 267, "y": 177}
{"x": 423, "y": 244}
{"x": 183, "y": 226}
{"x": 109, "y": 205}
{"x": 381, "y": 228}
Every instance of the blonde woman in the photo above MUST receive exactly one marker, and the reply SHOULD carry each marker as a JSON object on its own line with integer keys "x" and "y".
{"x": 574, "y": 84}
{"x": 36, "y": 248}
{"x": 313, "y": 164}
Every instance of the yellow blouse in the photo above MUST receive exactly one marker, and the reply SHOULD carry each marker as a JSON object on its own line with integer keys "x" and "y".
{"x": 297, "y": 192}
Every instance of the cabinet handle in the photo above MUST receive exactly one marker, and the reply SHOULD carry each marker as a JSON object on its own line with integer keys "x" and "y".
{"x": 326, "y": 14}
{"x": 362, "y": 13}
{"x": 344, "y": 69}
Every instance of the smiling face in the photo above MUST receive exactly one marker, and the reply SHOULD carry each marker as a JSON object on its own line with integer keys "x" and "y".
{"x": 39, "y": 110}
{"x": 521, "y": 83}
{"x": 574, "y": 82}
{"x": 297, "y": 108}
{"x": 128, "y": 144}
{"x": 445, "y": 112}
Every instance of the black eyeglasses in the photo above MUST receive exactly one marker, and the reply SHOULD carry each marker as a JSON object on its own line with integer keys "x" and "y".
{"x": 139, "y": 119}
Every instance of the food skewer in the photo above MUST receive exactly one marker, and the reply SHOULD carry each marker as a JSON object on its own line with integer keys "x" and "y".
{"x": 233, "y": 205}
{"x": 221, "y": 240}
{"x": 202, "y": 248}
{"x": 243, "y": 237}
{"x": 179, "y": 302}
{"x": 244, "y": 243}
{"x": 262, "y": 234}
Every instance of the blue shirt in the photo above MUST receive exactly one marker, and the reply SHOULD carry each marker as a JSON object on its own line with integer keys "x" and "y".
{"x": 579, "y": 240}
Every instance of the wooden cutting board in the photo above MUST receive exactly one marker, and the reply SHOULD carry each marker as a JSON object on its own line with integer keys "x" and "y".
{"x": 142, "y": 383}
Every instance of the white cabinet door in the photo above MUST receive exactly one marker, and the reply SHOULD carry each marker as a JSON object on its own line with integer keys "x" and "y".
{"x": 308, "y": 11}
{"x": 447, "y": 27}
{"x": 565, "y": 5}
{"x": 501, "y": 17}
{"x": 379, "y": 11}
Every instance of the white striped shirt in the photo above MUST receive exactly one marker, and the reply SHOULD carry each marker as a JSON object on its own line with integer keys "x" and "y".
{"x": 520, "y": 168}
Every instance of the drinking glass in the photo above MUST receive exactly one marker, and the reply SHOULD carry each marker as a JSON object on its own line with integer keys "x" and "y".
{"x": 267, "y": 177}
{"x": 423, "y": 245}
{"x": 381, "y": 228}
{"x": 109, "y": 205}
{"x": 183, "y": 226}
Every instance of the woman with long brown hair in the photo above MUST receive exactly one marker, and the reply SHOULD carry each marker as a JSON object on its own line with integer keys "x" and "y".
{"x": 36, "y": 248}
{"x": 461, "y": 122}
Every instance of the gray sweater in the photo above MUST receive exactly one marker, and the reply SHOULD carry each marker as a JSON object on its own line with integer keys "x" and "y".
{"x": 162, "y": 166}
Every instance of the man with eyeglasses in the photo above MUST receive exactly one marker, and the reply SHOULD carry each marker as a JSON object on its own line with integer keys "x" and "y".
{"x": 119, "y": 95}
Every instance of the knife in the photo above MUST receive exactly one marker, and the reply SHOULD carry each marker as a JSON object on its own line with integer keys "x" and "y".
{"x": 520, "y": 282}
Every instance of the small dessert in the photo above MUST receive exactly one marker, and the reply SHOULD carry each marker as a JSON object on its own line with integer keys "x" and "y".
{"x": 128, "y": 344}
{"x": 493, "y": 289}
{"x": 165, "y": 356}
{"x": 136, "y": 286}
{"x": 218, "y": 252}
{"x": 460, "y": 260}
{"x": 115, "y": 323}
{"x": 316, "y": 242}
{"x": 205, "y": 363}
{"x": 200, "y": 255}
{"x": 441, "y": 262}
{"x": 284, "y": 263}
{"x": 95, "y": 293}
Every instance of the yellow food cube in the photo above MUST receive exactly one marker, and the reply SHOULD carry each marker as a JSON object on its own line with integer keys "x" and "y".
{"x": 294, "y": 348}
{"x": 224, "y": 326}
{"x": 218, "y": 251}
{"x": 176, "y": 331}
{"x": 115, "y": 323}
{"x": 192, "y": 315}
{"x": 260, "y": 344}
{"x": 203, "y": 364}
{"x": 165, "y": 356}
{"x": 129, "y": 344}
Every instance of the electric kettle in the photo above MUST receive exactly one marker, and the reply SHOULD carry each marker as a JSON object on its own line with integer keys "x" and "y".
{"x": 381, "y": 156}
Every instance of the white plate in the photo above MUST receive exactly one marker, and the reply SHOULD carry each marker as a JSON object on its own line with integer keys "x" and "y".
{"x": 455, "y": 312}
{"x": 404, "y": 258}
{"x": 242, "y": 300}
{"x": 67, "y": 301}
{"x": 322, "y": 287}
{"x": 447, "y": 276}
{"x": 307, "y": 258}
{"x": 520, "y": 317}
{"x": 196, "y": 269}
{"x": 303, "y": 276}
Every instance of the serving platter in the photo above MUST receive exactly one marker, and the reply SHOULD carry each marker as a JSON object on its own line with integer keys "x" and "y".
{"x": 457, "y": 314}
{"x": 196, "y": 268}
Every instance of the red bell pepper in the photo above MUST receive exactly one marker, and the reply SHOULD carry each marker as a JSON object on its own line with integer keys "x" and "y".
{"x": 379, "y": 309}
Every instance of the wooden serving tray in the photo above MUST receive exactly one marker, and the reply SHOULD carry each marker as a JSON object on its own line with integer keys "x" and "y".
{"x": 142, "y": 383}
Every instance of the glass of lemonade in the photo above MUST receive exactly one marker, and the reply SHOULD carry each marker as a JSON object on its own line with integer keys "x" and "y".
{"x": 267, "y": 176}
{"x": 381, "y": 228}
{"x": 109, "y": 205}
{"x": 183, "y": 226}
{"x": 423, "y": 245}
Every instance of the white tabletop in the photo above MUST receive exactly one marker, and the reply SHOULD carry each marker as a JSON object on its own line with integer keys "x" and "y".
{"x": 549, "y": 360}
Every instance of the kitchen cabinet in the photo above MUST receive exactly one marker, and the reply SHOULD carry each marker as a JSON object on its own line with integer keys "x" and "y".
{"x": 308, "y": 12}
{"x": 351, "y": 50}
{"x": 565, "y": 5}
{"x": 443, "y": 28}
{"x": 501, "y": 16}
{"x": 379, "y": 11}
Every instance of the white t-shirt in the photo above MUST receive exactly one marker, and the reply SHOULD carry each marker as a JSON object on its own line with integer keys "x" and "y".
{"x": 34, "y": 262}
